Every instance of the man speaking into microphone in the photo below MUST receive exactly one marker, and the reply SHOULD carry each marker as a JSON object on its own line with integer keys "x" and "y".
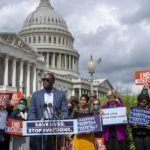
{"x": 48, "y": 95}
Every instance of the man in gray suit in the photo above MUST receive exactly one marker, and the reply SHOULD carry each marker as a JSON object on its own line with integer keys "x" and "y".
{"x": 48, "y": 95}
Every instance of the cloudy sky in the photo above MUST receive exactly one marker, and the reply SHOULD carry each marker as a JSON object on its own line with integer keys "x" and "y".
{"x": 116, "y": 31}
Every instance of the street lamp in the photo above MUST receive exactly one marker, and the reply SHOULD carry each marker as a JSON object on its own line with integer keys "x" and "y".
{"x": 91, "y": 68}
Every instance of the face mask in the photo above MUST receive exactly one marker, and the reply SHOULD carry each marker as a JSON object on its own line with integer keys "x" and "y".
{"x": 145, "y": 92}
{"x": 96, "y": 107}
{"x": 21, "y": 107}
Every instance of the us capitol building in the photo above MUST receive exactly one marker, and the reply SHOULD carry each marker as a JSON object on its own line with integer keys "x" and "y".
{"x": 44, "y": 44}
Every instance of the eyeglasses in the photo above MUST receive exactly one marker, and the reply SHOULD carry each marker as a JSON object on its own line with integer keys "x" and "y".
{"x": 45, "y": 79}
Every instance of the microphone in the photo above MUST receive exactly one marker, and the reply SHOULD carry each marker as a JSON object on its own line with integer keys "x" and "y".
{"x": 45, "y": 106}
{"x": 57, "y": 109}
{"x": 49, "y": 105}
{"x": 50, "y": 108}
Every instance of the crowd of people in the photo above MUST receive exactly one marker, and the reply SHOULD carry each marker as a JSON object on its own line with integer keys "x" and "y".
{"x": 114, "y": 135}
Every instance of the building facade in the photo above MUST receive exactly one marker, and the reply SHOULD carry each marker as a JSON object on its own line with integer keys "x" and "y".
{"x": 44, "y": 44}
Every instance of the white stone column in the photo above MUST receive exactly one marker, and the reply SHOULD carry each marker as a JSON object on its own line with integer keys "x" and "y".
{"x": 34, "y": 78}
{"x": 14, "y": 73}
{"x": 42, "y": 39}
{"x": 65, "y": 62}
{"x": 80, "y": 92}
{"x": 73, "y": 92}
{"x": 53, "y": 63}
{"x": 28, "y": 80}
{"x": 6, "y": 71}
{"x": 73, "y": 66}
{"x": 47, "y": 39}
{"x": 59, "y": 61}
{"x": 32, "y": 39}
{"x": 69, "y": 62}
{"x": 21, "y": 75}
{"x": 47, "y": 59}
{"x": 52, "y": 39}
{"x": 77, "y": 64}
{"x": 97, "y": 94}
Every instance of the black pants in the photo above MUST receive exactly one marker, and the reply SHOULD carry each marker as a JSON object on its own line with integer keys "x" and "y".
{"x": 142, "y": 142}
{"x": 114, "y": 144}
{"x": 49, "y": 142}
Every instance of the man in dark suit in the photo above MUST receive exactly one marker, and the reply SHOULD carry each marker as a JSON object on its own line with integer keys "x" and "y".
{"x": 48, "y": 95}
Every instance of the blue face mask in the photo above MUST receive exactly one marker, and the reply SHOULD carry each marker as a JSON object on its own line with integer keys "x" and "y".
{"x": 96, "y": 107}
{"x": 21, "y": 107}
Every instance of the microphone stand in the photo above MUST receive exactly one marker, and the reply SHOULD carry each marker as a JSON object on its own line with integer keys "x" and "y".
{"x": 61, "y": 117}
{"x": 52, "y": 119}
{"x": 57, "y": 118}
{"x": 42, "y": 120}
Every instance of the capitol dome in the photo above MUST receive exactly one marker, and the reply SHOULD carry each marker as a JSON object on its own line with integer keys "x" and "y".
{"x": 45, "y": 16}
{"x": 47, "y": 32}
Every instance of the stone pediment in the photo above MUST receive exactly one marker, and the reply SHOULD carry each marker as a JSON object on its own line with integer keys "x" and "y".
{"x": 103, "y": 83}
{"x": 14, "y": 40}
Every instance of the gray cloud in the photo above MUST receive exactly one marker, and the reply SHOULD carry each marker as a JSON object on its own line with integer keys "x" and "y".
{"x": 112, "y": 30}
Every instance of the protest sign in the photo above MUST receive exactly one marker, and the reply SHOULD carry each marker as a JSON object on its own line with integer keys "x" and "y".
{"x": 3, "y": 119}
{"x": 89, "y": 124}
{"x": 9, "y": 99}
{"x": 49, "y": 127}
{"x": 142, "y": 77}
{"x": 117, "y": 115}
{"x": 53, "y": 127}
{"x": 139, "y": 116}
{"x": 15, "y": 127}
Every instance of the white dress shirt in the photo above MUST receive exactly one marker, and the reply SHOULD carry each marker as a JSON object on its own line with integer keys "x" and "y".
{"x": 48, "y": 98}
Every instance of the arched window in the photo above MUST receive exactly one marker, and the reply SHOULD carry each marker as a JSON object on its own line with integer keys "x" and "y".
{"x": 49, "y": 39}
{"x": 54, "y": 40}
{"x": 67, "y": 42}
{"x": 34, "y": 39}
{"x": 29, "y": 40}
{"x": 39, "y": 39}
{"x": 63, "y": 41}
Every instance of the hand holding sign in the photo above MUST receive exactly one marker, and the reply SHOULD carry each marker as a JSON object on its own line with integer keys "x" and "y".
{"x": 142, "y": 78}
{"x": 9, "y": 99}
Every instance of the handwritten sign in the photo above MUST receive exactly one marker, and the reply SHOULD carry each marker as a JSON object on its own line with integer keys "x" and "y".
{"x": 3, "y": 119}
{"x": 9, "y": 99}
{"x": 141, "y": 77}
{"x": 89, "y": 124}
{"x": 117, "y": 115}
{"x": 139, "y": 116}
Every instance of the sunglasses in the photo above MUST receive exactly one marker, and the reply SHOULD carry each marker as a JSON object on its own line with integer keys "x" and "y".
{"x": 45, "y": 79}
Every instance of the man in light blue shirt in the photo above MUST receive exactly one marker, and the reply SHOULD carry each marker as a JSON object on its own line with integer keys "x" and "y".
{"x": 46, "y": 96}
